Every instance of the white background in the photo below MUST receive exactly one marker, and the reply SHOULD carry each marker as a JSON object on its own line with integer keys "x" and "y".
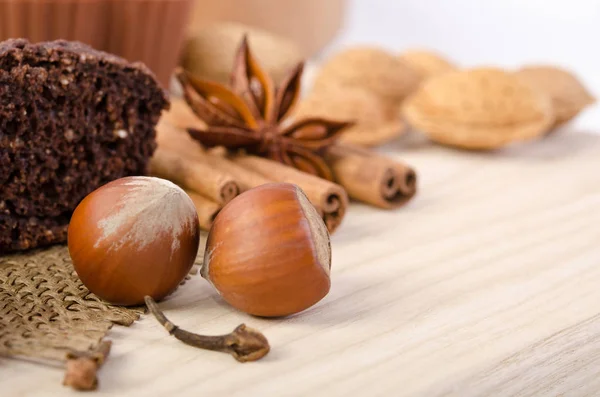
{"x": 487, "y": 32}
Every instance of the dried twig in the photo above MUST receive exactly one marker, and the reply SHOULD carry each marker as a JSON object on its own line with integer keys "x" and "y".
{"x": 244, "y": 343}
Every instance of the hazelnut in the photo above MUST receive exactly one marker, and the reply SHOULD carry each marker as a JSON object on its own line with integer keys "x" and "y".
{"x": 133, "y": 237}
{"x": 268, "y": 252}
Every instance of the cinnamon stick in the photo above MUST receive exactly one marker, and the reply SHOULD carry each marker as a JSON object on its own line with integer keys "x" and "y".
{"x": 178, "y": 140}
{"x": 246, "y": 178}
{"x": 193, "y": 175}
{"x": 207, "y": 209}
{"x": 330, "y": 199}
{"x": 370, "y": 177}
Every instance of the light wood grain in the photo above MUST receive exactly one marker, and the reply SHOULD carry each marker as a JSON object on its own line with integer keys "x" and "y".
{"x": 487, "y": 284}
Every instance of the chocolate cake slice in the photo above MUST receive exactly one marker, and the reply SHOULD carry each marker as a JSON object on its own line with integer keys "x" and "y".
{"x": 71, "y": 120}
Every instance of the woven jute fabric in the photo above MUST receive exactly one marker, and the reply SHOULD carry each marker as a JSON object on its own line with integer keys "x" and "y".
{"x": 46, "y": 312}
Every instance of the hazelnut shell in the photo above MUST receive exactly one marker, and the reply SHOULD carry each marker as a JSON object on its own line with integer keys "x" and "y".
{"x": 268, "y": 252}
{"x": 133, "y": 237}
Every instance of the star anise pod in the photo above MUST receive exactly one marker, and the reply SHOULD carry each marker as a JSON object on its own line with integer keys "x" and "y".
{"x": 251, "y": 115}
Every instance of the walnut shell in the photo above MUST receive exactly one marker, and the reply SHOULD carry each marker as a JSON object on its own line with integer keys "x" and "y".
{"x": 482, "y": 108}
{"x": 209, "y": 51}
{"x": 568, "y": 95}
{"x": 376, "y": 122}
{"x": 426, "y": 63}
{"x": 371, "y": 68}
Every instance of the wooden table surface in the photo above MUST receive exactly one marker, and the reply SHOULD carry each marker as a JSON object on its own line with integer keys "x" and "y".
{"x": 487, "y": 284}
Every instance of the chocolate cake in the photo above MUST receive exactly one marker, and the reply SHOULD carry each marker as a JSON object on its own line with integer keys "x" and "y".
{"x": 71, "y": 120}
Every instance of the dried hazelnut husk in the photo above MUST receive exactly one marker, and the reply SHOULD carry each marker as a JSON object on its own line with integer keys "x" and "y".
{"x": 373, "y": 69}
{"x": 375, "y": 122}
{"x": 268, "y": 252}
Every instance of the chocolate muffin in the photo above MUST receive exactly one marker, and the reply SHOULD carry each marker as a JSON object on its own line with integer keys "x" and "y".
{"x": 71, "y": 120}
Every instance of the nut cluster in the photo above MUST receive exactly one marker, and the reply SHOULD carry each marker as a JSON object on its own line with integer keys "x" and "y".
{"x": 367, "y": 85}
{"x": 479, "y": 108}
{"x": 268, "y": 253}
{"x": 488, "y": 108}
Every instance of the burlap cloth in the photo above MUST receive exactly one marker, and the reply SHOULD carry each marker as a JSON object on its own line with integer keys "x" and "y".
{"x": 46, "y": 312}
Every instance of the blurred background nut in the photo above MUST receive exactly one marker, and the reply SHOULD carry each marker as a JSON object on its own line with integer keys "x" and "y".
{"x": 569, "y": 96}
{"x": 209, "y": 51}
{"x": 375, "y": 122}
{"x": 311, "y": 24}
{"x": 371, "y": 68}
{"x": 482, "y": 108}
{"x": 426, "y": 63}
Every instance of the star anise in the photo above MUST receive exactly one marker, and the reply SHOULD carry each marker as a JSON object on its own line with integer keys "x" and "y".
{"x": 251, "y": 115}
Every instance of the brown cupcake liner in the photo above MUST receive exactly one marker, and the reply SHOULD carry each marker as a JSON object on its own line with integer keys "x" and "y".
{"x": 150, "y": 31}
{"x": 46, "y": 20}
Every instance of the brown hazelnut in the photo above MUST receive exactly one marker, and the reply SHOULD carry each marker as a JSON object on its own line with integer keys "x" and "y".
{"x": 133, "y": 237}
{"x": 268, "y": 252}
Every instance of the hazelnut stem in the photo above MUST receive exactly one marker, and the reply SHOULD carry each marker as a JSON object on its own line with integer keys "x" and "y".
{"x": 244, "y": 343}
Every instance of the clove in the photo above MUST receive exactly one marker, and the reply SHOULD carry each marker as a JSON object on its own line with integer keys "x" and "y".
{"x": 81, "y": 374}
{"x": 82, "y": 367}
{"x": 244, "y": 343}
